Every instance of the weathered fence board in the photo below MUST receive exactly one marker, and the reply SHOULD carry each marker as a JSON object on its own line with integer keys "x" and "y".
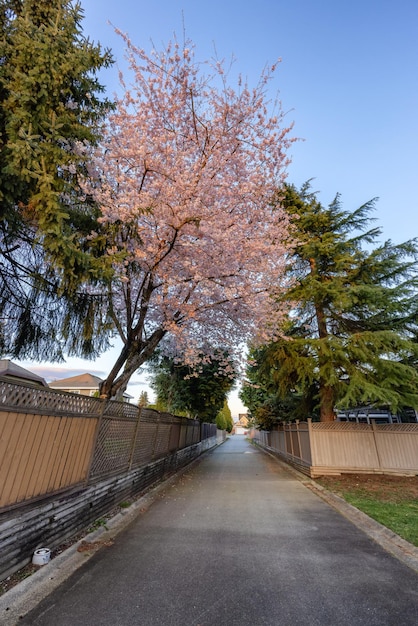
{"x": 343, "y": 447}
{"x": 42, "y": 454}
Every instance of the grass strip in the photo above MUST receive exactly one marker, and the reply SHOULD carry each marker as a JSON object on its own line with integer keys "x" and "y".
{"x": 400, "y": 517}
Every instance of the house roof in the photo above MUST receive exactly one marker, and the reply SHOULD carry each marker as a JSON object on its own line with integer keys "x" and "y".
{"x": 82, "y": 381}
{"x": 12, "y": 370}
{"x": 243, "y": 420}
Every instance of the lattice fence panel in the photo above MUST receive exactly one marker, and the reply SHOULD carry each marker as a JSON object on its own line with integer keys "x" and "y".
{"x": 162, "y": 440}
{"x": 145, "y": 441}
{"x": 208, "y": 430}
{"x": 174, "y": 434}
{"x": 196, "y": 431}
{"x": 28, "y": 399}
{"x": 121, "y": 409}
{"x": 354, "y": 426}
{"x": 113, "y": 447}
{"x": 397, "y": 428}
{"x": 342, "y": 426}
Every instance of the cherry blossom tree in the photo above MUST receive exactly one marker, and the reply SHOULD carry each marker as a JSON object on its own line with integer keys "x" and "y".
{"x": 184, "y": 180}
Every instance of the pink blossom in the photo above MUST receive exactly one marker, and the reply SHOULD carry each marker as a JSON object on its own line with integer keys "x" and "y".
{"x": 184, "y": 179}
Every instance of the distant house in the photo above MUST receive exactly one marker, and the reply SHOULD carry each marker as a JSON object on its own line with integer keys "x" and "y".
{"x": 18, "y": 374}
{"x": 241, "y": 426}
{"x": 243, "y": 420}
{"x": 84, "y": 384}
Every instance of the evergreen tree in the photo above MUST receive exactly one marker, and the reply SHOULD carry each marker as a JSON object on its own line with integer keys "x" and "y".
{"x": 143, "y": 401}
{"x": 198, "y": 392}
{"x": 50, "y": 114}
{"x": 266, "y": 402}
{"x": 352, "y": 335}
{"x": 224, "y": 418}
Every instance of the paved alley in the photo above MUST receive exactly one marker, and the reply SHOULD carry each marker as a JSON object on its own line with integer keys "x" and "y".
{"x": 236, "y": 541}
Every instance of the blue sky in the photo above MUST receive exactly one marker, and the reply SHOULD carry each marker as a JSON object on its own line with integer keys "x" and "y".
{"x": 348, "y": 80}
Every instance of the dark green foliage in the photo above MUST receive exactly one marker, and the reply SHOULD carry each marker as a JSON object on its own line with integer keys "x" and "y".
{"x": 50, "y": 115}
{"x": 266, "y": 402}
{"x": 224, "y": 418}
{"x": 36, "y": 322}
{"x": 198, "y": 392}
{"x": 351, "y": 338}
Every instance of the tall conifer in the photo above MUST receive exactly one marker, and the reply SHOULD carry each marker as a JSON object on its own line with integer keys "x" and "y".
{"x": 50, "y": 114}
{"x": 352, "y": 334}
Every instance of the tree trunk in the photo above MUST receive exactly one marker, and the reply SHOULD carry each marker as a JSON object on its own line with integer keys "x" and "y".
{"x": 326, "y": 396}
{"x": 133, "y": 355}
{"x": 105, "y": 388}
{"x": 326, "y": 392}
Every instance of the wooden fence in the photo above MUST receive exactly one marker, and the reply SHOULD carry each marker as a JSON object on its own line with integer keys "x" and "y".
{"x": 51, "y": 441}
{"x": 343, "y": 447}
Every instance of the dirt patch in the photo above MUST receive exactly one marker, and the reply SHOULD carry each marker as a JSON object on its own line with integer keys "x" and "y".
{"x": 91, "y": 546}
{"x": 380, "y": 486}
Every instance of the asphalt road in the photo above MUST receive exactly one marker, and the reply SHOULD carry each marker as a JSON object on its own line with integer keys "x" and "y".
{"x": 236, "y": 541}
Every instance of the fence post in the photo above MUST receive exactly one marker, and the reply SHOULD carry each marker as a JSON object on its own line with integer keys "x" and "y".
{"x": 298, "y": 438}
{"x": 95, "y": 440}
{"x": 169, "y": 433}
{"x": 292, "y": 452}
{"x": 310, "y": 442}
{"x": 134, "y": 438}
{"x": 375, "y": 443}
{"x": 154, "y": 443}
{"x": 287, "y": 440}
{"x": 178, "y": 426}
